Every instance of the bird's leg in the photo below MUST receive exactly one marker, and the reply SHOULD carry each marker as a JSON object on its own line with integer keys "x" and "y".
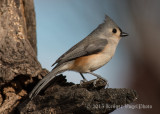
{"x": 84, "y": 79}
{"x": 98, "y": 76}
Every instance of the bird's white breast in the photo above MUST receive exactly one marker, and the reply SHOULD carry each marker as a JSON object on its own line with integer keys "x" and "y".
{"x": 103, "y": 57}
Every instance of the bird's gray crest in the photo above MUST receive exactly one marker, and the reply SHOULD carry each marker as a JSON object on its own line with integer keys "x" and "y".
{"x": 109, "y": 22}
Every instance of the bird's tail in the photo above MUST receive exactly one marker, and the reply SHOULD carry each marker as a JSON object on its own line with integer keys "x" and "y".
{"x": 43, "y": 83}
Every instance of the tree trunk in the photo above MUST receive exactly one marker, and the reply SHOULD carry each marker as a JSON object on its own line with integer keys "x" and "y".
{"x": 20, "y": 70}
{"x": 18, "y": 52}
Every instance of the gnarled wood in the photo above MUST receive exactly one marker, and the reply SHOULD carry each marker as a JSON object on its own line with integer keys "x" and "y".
{"x": 18, "y": 52}
{"x": 64, "y": 98}
{"x": 17, "y": 55}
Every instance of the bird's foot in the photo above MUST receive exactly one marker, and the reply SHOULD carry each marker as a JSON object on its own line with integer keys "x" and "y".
{"x": 83, "y": 81}
{"x": 95, "y": 82}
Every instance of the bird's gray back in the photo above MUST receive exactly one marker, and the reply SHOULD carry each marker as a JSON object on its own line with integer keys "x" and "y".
{"x": 89, "y": 45}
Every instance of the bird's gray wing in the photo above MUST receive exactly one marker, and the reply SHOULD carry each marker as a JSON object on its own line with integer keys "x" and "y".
{"x": 84, "y": 48}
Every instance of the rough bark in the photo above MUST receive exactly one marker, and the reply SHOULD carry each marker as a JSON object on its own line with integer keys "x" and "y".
{"x": 20, "y": 71}
{"x": 18, "y": 58}
{"x": 17, "y": 55}
{"x": 64, "y": 98}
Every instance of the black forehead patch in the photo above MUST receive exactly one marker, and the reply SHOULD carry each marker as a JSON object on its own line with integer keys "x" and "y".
{"x": 120, "y": 30}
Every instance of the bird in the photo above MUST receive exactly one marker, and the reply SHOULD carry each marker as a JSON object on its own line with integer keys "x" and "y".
{"x": 88, "y": 55}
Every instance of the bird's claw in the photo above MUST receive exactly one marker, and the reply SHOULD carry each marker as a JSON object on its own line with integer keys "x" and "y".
{"x": 83, "y": 81}
{"x": 95, "y": 82}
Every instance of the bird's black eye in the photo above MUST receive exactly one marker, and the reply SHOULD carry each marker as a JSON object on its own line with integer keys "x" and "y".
{"x": 114, "y": 30}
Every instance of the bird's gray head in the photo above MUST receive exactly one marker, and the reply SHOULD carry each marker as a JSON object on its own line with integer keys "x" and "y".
{"x": 109, "y": 29}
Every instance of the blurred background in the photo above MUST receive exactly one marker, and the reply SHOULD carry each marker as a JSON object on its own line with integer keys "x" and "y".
{"x": 136, "y": 63}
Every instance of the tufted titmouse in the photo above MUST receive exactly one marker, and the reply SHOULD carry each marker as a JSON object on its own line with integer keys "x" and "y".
{"x": 88, "y": 55}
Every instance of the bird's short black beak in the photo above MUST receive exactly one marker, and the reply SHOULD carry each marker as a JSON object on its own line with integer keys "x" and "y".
{"x": 123, "y": 34}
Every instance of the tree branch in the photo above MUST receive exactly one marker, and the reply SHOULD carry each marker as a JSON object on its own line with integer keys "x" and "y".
{"x": 64, "y": 97}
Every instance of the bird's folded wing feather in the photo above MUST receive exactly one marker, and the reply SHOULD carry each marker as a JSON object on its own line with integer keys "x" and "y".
{"x": 83, "y": 48}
